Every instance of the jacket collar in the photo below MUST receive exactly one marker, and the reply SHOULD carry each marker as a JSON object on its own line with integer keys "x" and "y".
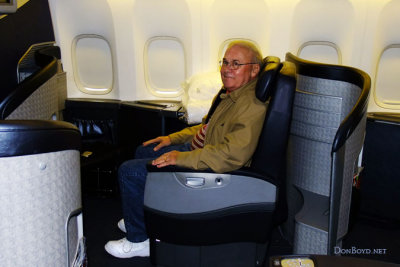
{"x": 238, "y": 92}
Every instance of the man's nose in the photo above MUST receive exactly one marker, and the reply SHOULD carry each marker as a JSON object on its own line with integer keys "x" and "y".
{"x": 226, "y": 70}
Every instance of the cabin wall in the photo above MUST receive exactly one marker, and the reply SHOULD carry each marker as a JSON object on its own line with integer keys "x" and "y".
{"x": 145, "y": 49}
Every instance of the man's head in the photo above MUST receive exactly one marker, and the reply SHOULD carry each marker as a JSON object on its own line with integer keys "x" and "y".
{"x": 240, "y": 65}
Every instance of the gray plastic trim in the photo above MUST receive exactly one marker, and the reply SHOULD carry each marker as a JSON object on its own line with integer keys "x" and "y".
{"x": 168, "y": 192}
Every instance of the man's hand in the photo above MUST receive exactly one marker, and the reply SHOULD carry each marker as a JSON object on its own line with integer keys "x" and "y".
{"x": 166, "y": 159}
{"x": 161, "y": 140}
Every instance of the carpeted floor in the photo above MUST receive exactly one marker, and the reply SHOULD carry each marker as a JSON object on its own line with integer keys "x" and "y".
{"x": 101, "y": 215}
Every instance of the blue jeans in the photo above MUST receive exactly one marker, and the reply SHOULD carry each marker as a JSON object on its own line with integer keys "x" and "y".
{"x": 132, "y": 179}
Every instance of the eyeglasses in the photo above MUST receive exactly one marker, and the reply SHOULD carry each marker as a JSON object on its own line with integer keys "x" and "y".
{"x": 234, "y": 65}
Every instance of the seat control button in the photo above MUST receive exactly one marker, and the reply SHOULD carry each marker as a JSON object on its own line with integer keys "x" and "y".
{"x": 195, "y": 181}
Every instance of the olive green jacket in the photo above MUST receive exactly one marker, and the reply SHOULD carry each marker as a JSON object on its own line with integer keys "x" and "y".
{"x": 232, "y": 133}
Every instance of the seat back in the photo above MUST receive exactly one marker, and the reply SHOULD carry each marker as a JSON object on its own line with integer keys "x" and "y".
{"x": 269, "y": 156}
{"x": 41, "y": 95}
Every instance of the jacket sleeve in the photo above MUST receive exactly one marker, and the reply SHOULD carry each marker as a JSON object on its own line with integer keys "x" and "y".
{"x": 185, "y": 135}
{"x": 237, "y": 146}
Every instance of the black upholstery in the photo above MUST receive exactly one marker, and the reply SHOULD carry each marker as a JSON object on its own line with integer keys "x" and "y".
{"x": 273, "y": 140}
{"x": 96, "y": 119}
{"x": 265, "y": 84}
{"x": 270, "y": 155}
{"x": 98, "y": 122}
{"x": 26, "y": 137}
{"x": 379, "y": 183}
{"x": 247, "y": 222}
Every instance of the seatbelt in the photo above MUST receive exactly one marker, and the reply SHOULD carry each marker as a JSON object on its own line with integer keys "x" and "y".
{"x": 214, "y": 105}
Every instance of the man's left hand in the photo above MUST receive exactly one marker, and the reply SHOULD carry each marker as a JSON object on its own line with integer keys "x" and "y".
{"x": 166, "y": 159}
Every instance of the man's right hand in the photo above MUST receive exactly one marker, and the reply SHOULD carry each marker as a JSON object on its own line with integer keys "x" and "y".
{"x": 161, "y": 140}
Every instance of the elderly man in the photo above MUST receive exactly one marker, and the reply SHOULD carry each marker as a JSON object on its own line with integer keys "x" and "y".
{"x": 224, "y": 141}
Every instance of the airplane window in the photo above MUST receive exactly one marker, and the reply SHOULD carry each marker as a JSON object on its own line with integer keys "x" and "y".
{"x": 387, "y": 80}
{"x": 318, "y": 51}
{"x": 92, "y": 64}
{"x": 165, "y": 66}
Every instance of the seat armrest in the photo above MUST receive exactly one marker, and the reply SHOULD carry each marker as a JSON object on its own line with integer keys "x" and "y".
{"x": 26, "y": 137}
{"x": 172, "y": 168}
{"x": 179, "y": 200}
{"x": 244, "y": 171}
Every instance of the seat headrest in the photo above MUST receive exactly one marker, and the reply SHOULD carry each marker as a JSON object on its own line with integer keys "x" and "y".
{"x": 269, "y": 59}
{"x": 266, "y": 80}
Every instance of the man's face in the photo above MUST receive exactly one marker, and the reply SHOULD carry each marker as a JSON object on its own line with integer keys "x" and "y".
{"x": 234, "y": 79}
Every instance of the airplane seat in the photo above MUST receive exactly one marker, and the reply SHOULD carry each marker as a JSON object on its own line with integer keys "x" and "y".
{"x": 40, "y": 203}
{"x": 269, "y": 59}
{"x": 202, "y": 218}
{"x": 41, "y": 92}
{"x": 326, "y": 137}
{"x": 102, "y": 151}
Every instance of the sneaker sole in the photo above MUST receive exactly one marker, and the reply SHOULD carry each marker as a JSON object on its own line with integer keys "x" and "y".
{"x": 145, "y": 252}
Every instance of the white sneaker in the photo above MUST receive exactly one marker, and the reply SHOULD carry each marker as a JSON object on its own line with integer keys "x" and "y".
{"x": 121, "y": 225}
{"x": 125, "y": 249}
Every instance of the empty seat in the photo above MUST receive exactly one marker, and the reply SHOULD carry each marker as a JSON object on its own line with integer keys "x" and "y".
{"x": 326, "y": 137}
{"x": 101, "y": 152}
{"x": 40, "y": 193}
{"x": 41, "y": 95}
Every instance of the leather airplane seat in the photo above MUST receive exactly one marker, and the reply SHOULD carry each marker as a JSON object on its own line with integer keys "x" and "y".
{"x": 201, "y": 218}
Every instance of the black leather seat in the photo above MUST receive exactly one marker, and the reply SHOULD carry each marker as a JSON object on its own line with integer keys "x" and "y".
{"x": 201, "y": 218}
{"x": 101, "y": 153}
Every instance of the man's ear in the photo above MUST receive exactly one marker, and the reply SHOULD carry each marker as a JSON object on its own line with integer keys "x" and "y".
{"x": 255, "y": 70}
